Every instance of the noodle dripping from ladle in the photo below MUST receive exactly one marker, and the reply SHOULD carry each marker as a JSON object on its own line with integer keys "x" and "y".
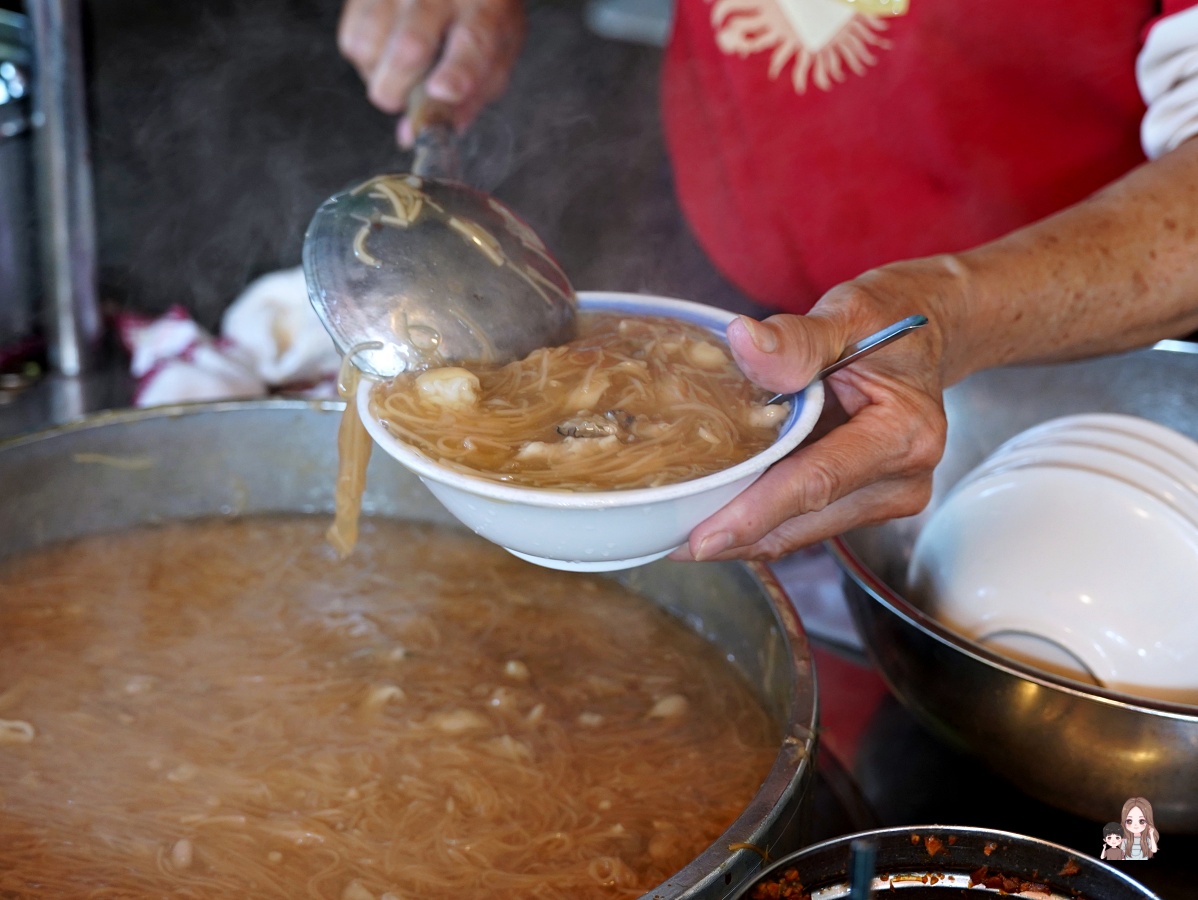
{"x": 353, "y": 456}
{"x": 214, "y": 710}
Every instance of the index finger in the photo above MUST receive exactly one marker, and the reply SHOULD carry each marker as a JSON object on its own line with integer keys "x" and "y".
{"x": 479, "y": 50}
{"x": 362, "y": 31}
{"x": 417, "y": 31}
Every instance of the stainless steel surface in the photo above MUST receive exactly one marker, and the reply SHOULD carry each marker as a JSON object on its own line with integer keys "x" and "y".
{"x": 17, "y": 279}
{"x": 407, "y": 271}
{"x": 1079, "y": 748}
{"x": 865, "y": 347}
{"x": 121, "y": 469}
{"x": 56, "y": 399}
{"x": 66, "y": 220}
{"x": 958, "y": 852}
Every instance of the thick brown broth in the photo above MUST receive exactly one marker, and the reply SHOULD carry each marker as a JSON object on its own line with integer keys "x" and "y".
{"x": 221, "y": 709}
{"x": 634, "y": 401}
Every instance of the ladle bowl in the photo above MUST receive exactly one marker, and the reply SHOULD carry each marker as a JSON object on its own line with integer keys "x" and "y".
{"x": 414, "y": 270}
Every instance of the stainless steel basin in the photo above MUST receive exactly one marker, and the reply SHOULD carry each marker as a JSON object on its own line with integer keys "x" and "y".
{"x": 1077, "y": 747}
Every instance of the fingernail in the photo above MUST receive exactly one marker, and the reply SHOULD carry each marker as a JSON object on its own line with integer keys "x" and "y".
{"x": 762, "y": 336}
{"x": 403, "y": 133}
{"x": 713, "y": 545}
{"x": 448, "y": 88}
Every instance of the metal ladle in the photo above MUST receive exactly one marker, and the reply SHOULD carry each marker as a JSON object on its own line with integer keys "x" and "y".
{"x": 408, "y": 271}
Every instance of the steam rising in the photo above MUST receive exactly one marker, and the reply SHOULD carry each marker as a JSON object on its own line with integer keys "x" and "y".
{"x": 220, "y": 126}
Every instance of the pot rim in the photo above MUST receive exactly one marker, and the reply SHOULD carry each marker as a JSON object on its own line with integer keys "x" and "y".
{"x": 940, "y": 862}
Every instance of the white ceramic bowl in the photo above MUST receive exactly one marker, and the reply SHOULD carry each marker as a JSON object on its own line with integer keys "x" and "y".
{"x": 1072, "y": 569}
{"x": 1159, "y": 446}
{"x": 1129, "y": 445}
{"x": 1132, "y": 469}
{"x": 599, "y": 530}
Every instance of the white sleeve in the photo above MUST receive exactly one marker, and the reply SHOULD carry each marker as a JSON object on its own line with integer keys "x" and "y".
{"x": 1167, "y": 74}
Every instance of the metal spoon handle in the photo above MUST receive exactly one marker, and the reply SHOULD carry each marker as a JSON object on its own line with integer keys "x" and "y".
{"x": 866, "y": 346}
{"x": 875, "y": 341}
{"x": 436, "y": 146}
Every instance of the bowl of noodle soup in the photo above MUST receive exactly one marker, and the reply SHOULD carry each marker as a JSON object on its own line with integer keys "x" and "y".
{"x": 562, "y": 516}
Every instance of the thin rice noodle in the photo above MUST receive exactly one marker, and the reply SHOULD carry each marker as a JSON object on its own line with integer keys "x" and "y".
{"x": 222, "y": 710}
{"x": 633, "y": 402}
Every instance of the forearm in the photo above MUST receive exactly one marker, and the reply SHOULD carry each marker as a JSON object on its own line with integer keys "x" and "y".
{"x": 1116, "y": 271}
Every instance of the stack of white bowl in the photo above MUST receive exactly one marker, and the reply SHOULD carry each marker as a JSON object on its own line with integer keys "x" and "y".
{"x": 1074, "y": 548}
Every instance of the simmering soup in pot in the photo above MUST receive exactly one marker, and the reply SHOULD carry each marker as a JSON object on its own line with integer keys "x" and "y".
{"x": 219, "y": 709}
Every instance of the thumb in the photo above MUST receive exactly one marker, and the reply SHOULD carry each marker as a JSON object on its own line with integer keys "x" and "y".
{"x": 783, "y": 353}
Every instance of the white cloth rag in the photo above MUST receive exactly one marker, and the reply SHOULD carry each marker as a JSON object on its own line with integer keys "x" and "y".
{"x": 1167, "y": 73}
{"x": 271, "y": 340}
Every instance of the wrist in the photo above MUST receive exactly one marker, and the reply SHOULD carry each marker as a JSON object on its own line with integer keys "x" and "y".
{"x": 938, "y": 287}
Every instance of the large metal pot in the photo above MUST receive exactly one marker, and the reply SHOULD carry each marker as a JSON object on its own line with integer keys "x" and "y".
{"x": 1077, "y": 747}
{"x": 127, "y": 468}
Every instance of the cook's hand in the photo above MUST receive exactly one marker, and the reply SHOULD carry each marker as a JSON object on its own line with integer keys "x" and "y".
{"x": 875, "y": 466}
{"x": 1113, "y": 272}
{"x": 467, "y": 47}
